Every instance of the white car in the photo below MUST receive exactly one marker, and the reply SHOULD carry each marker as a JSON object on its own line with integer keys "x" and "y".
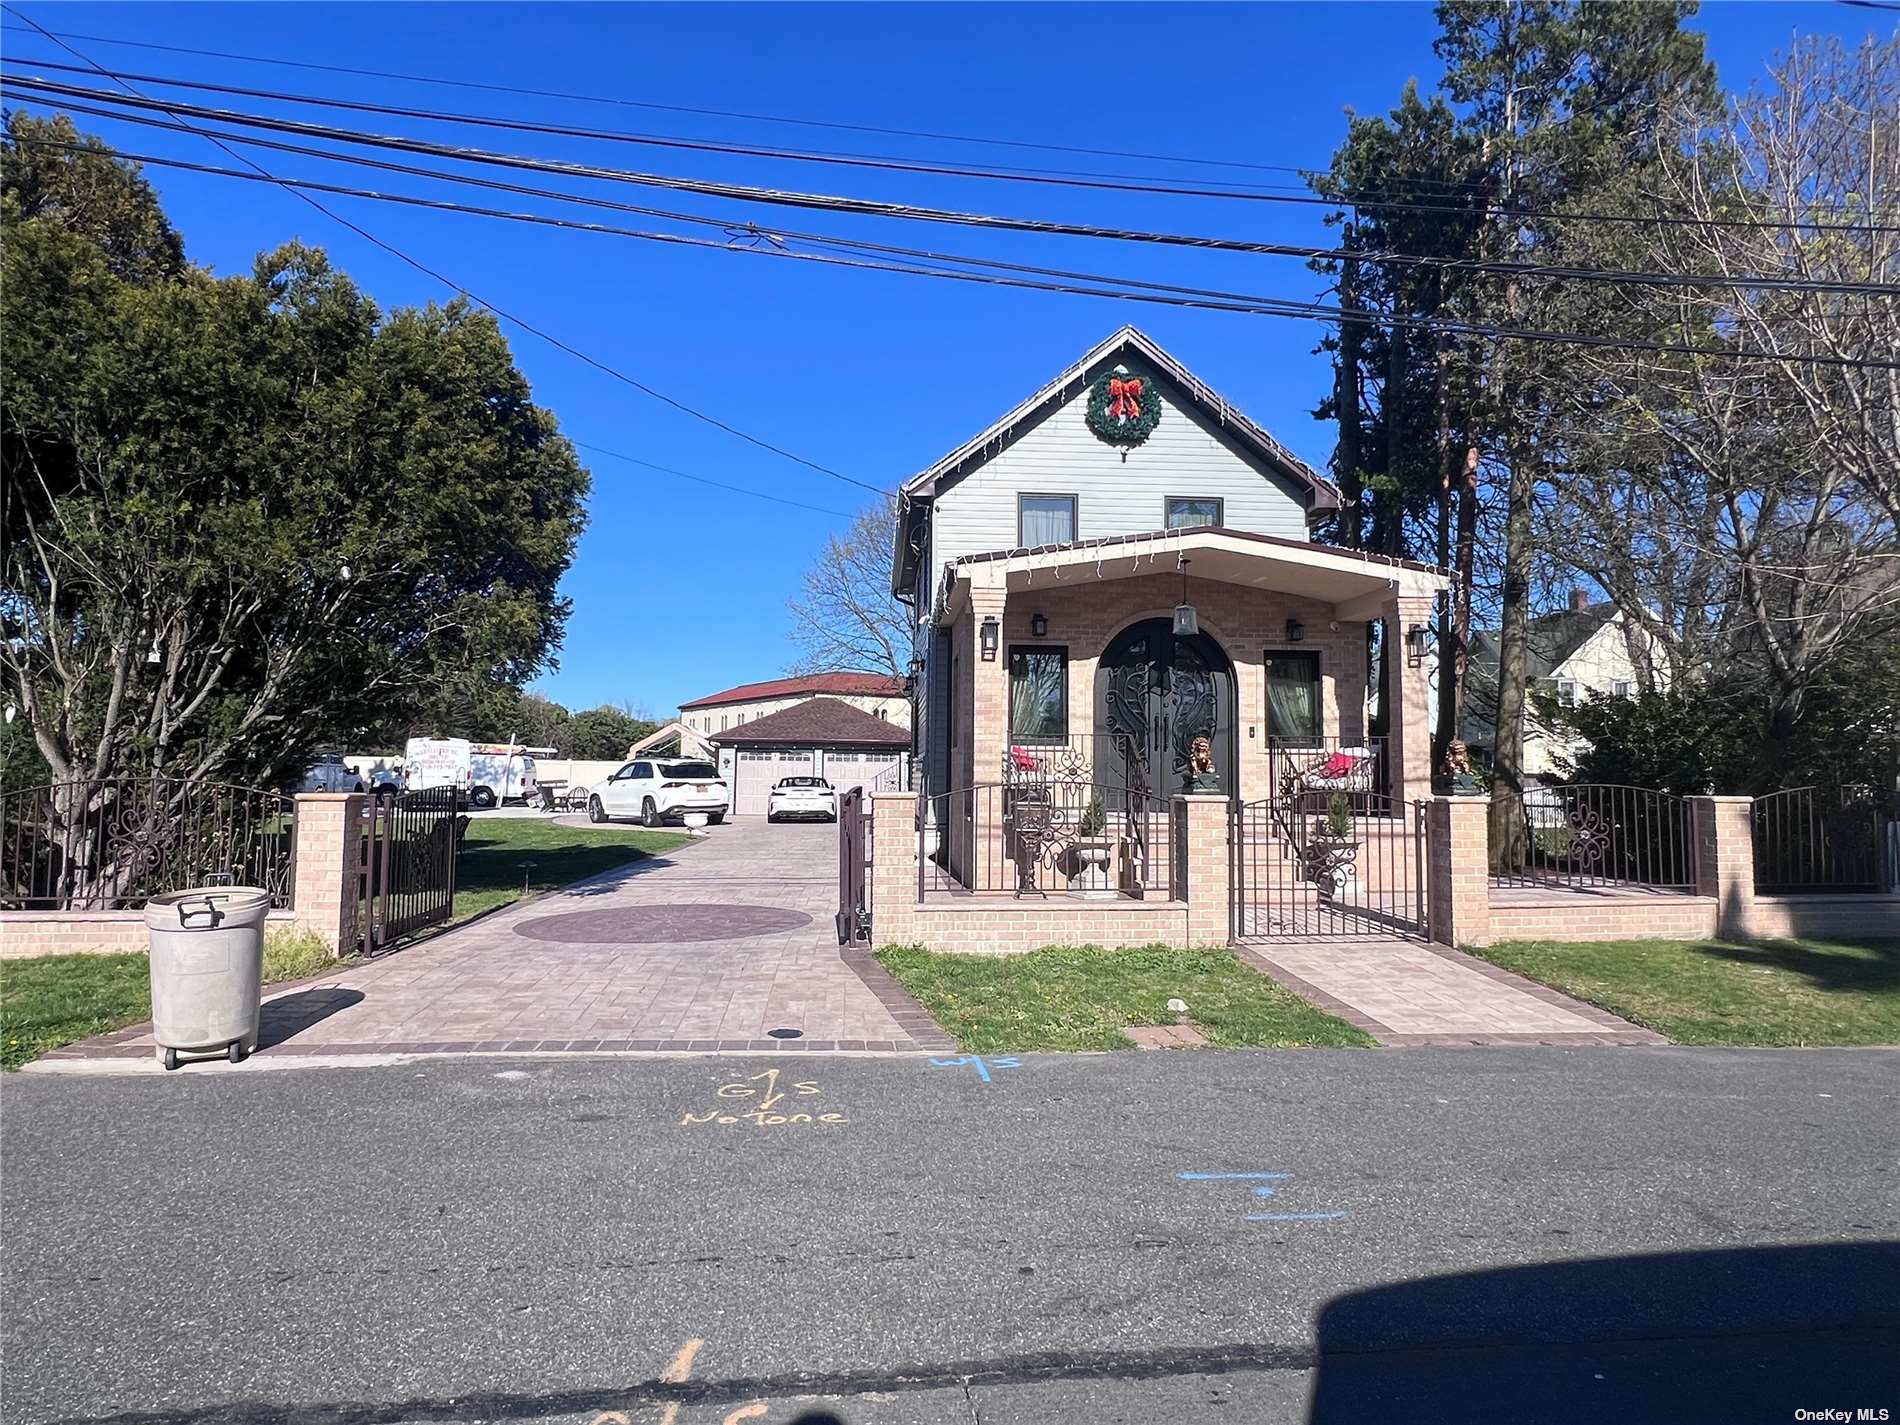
{"x": 659, "y": 788}
{"x": 802, "y": 796}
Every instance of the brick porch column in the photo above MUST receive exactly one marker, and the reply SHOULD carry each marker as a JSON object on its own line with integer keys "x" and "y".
{"x": 1409, "y": 732}
{"x": 1201, "y": 869}
{"x": 1724, "y": 848}
{"x": 329, "y": 857}
{"x": 894, "y": 854}
{"x": 989, "y": 687}
{"x": 1458, "y": 870}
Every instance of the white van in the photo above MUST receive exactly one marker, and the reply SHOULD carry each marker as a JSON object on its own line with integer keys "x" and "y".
{"x": 489, "y": 772}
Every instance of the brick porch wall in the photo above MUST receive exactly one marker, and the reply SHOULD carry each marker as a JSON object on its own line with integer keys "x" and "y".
{"x": 1085, "y": 615}
{"x": 1662, "y": 917}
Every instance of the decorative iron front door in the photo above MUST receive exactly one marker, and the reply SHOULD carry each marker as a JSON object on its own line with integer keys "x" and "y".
{"x": 1154, "y": 694}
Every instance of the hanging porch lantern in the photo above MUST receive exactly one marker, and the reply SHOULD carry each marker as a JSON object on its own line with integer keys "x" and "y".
{"x": 1187, "y": 622}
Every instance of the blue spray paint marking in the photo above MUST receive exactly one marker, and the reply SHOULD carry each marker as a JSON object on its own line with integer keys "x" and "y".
{"x": 1262, "y": 1190}
{"x": 983, "y": 1066}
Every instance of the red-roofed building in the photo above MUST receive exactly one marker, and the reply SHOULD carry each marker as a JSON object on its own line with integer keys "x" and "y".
{"x": 879, "y": 694}
{"x": 850, "y": 728}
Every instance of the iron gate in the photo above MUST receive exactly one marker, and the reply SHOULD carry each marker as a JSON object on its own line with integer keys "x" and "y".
{"x": 854, "y": 868}
{"x": 1342, "y": 867}
{"x": 410, "y": 847}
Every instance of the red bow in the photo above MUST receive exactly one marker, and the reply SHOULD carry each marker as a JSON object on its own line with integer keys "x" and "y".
{"x": 1126, "y": 398}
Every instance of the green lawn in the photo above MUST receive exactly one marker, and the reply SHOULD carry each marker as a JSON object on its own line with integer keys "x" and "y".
{"x": 1780, "y": 992}
{"x": 1082, "y": 997}
{"x": 56, "y": 999}
{"x": 501, "y": 854}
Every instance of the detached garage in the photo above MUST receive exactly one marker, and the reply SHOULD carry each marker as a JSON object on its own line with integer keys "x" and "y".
{"x": 820, "y": 737}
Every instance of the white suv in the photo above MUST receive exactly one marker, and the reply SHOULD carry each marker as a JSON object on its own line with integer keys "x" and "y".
{"x": 656, "y": 789}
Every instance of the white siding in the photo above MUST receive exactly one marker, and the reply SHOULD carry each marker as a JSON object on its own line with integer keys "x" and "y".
{"x": 1186, "y": 455}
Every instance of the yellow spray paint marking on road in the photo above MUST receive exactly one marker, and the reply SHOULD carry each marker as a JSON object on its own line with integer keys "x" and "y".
{"x": 764, "y": 1088}
{"x": 745, "y": 1412}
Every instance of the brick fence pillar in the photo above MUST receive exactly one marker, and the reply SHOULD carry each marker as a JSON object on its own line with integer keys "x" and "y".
{"x": 329, "y": 843}
{"x": 1408, "y": 732}
{"x": 1724, "y": 849}
{"x": 1202, "y": 871}
{"x": 1458, "y": 870}
{"x": 894, "y": 853}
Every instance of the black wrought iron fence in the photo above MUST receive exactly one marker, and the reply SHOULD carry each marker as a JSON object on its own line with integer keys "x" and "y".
{"x": 1047, "y": 836}
{"x": 1816, "y": 840}
{"x": 410, "y": 846}
{"x": 113, "y": 844}
{"x": 1592, "y": 835}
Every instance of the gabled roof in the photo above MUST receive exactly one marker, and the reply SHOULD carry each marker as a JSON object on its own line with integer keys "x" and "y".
{"x": 868, "y": 685}
{"x": 816, "y": 722}
{"x": 1322, "y": 494}
{"x": 671, "y": 731}
{"x": 1554, "y": 638}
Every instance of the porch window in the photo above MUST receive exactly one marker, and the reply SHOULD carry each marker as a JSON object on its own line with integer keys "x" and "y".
{"x": 1193, "y": 511}
{"x": 1038, "y": 694}
{"x": 1045, "y": 519}
{"x": 1293, "y": 699}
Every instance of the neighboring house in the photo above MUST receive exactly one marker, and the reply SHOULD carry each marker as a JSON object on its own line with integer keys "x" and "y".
{"x": 821, "y": 737}
{"x": 1045, "y": 558}
{"x": 1579, "y": 650}
{"x": 878, "y": 694}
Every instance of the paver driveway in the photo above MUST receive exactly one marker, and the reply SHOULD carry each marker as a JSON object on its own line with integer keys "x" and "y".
{"x": 707, "y": 947}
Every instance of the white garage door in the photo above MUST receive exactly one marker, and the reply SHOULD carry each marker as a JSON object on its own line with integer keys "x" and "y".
{"x": 758, "y": 773}
{"x": 845, "y": 770}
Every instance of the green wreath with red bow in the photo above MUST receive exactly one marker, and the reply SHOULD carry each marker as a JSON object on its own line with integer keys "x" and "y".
{"x": 1124, "y": 409}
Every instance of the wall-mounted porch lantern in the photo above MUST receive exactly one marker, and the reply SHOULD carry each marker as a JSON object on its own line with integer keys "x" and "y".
{"x": 1417, "y": 638}
{"x": 1187, "y": 622}
{"x": 1039, "y": 624}
{"x": 1295, "y": 630}
{"x": 989, "y": 634}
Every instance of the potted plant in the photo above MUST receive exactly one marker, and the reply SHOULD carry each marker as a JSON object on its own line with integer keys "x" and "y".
{"x": 1093, "y": 849}
{"x": 1332, "y": 847}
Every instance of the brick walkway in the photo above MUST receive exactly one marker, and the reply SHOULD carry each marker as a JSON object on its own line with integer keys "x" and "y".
{"x": 1405, "y": 992}
{"x": 752, "y": 949}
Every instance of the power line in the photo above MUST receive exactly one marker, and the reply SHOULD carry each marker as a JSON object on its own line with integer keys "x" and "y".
{"x": 910, "y": 212}
{"x": 622, "y": 102}
{"x": 703, "y": 480}
{"x": 454, "y": 286}
{"x": 1260, "y": 307}
{"x": 752, "y": 231}
{"x": 1103, "y": 183}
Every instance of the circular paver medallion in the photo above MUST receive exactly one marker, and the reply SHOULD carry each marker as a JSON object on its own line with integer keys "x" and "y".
{"x": 662, "y": 924}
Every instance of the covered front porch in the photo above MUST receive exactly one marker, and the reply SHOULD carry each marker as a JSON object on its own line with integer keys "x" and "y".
{"x": 1080, "y": 677}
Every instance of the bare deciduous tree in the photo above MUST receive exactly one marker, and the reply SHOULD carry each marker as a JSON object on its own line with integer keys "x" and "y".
{"x": 1750, "y": 506}
{"x": 846, "y": 615}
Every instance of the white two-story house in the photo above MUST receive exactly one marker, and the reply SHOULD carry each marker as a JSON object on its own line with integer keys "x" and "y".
{"x": 1120, "y": 565}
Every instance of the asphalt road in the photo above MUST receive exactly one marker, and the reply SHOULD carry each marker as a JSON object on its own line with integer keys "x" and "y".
{"x": 1481, "y": 1235}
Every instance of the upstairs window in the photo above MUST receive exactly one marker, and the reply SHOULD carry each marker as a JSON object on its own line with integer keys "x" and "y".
{"x": 1193, "y": 511}
{"x": 1038, "y": 694}
{"x": 1045, "y": 519}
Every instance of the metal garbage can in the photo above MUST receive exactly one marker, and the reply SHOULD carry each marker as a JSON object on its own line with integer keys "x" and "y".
{"x": 207, "y": 953}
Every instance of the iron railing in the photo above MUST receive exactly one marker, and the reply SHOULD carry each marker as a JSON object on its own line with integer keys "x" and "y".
{"x": 1591, "y": 835}
{"x": 855, "y": 856}
{"x": 1042, "y": 836}
{"x": 1817, "y": 840}
{"x": 115, "y": 843}
{"x": 411, "y": 843}
{"x": 1314, "y": 868}
{"x": 1310, "y": 766}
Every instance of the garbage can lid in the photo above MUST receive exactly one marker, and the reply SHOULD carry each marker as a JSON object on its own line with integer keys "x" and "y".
{"x": 203, "y": 907}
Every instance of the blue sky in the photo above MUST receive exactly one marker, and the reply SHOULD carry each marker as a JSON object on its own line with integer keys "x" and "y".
{"x": 678, "y": 589}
